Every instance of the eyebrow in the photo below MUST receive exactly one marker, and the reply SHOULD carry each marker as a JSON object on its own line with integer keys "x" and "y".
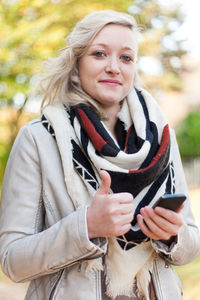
{"x": 105, "y": 45}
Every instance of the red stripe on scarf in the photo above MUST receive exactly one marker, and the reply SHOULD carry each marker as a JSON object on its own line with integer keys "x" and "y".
{"x": 163, "y": 146}
{"x": 95, "y": 137}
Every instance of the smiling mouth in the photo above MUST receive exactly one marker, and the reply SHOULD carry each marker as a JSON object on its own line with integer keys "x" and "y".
{"x": 110, "y": 82}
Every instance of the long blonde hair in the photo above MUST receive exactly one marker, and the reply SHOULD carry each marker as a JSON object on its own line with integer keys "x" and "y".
{"x": 61, "y": 82}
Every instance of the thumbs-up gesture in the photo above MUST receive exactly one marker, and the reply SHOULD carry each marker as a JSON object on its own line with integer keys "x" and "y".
{"x": 109, "y": 214}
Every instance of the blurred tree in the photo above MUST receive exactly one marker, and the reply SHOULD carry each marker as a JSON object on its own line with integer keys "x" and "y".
{"x": 160, "y": 49}
{"x": 33, "y": 30}
{"x": 30, "y": 32}
{"x": 188, "y": 135}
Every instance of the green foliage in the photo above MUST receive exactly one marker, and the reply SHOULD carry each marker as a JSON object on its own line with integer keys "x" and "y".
{"x": 190, "y": 277}
{"x": 188, "y": 135}
{"x": 4, "y": 153}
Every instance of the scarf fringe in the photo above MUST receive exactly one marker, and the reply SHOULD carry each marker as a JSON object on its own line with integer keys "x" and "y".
{"x": 121, "y": 273}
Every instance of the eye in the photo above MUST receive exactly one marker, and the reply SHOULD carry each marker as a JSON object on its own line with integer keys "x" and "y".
{"x": 99, "y": 54}
{"x": 126, "y": 58}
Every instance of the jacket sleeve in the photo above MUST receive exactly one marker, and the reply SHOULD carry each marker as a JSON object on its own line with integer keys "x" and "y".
{"x": 27, "y": 249}
{"x": 186, "y": 246}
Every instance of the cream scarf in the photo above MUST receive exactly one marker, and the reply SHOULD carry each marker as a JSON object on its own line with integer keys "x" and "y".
{"x": 127, "y": 268}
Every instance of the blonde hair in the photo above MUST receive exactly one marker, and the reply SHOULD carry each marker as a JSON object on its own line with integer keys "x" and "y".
{"x": 62, "y": 82}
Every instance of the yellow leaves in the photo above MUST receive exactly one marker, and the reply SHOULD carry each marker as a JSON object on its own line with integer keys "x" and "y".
{"x": 5, "y": 55}
{"x": 150, "y": 44}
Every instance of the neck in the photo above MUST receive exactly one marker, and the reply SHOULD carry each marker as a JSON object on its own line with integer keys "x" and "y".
{"x": 111, "y": 114}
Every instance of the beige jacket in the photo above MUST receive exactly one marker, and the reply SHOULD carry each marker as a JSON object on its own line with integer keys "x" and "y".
{"x": 44, "y": 240}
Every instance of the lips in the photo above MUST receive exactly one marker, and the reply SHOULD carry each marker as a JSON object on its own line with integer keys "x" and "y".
{"x": 111, "y": 82}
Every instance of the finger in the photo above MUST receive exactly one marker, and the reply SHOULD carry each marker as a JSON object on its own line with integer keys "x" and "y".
{"x": 170, "y": 216}
{"x": 143, "y": 226}
{"x": 153, "y": 227}
{"x": 122, "y": 219}
{"x": 159, "y": 224}
{"x": 105, "y": 184}
{"x": 126, "y": 219}
{"x": 123, "y": 198}
{"x": 126, "y": 209}
{"x": 123, "y": 229}
{"x": 126, "y": 198}
{"x": 180, "y": 208}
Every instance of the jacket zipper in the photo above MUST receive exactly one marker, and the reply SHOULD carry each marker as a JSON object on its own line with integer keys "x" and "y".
{"x": 98, "y": 285}
{"x": 97, "y": 275}
{"x": 156, "y": 282}
{"x": 79, "y": 270}
{"x": 55, "y": 285}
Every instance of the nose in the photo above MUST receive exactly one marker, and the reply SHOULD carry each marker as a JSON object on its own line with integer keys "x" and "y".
{"x": 112, "y": 65}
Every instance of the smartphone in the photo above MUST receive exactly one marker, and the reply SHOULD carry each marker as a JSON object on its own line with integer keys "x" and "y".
{"x": 170, "y": 201}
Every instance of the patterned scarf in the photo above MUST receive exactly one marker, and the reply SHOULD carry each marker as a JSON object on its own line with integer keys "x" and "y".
{"x": 138, "y": 163}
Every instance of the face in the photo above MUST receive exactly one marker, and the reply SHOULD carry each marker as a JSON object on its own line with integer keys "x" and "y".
{"x": 107, "y": 69}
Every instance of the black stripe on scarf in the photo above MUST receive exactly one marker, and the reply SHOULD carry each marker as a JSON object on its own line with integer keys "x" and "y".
{"x": 149, "y": 134}
{"x": 93, "y": 128}
{"x": 133, "y": 141}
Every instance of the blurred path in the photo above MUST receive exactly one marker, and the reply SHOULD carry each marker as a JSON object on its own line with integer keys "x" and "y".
{"x": 195, "y": 203}
{"x": 176, "y": 105}
{"x": 12, "y": 291}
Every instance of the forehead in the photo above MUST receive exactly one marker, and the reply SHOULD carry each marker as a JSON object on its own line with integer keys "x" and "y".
{"x": 116, "y": 34}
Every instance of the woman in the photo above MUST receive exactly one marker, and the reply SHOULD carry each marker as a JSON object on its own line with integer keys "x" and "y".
{"x": 77, "y": 218}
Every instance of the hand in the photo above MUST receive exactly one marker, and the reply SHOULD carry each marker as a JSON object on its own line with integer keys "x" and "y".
{"x": 109, "y": 214}
{"x": 159, "y": 223}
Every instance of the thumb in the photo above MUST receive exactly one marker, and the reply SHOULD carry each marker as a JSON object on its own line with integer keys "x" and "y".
{"x": 105, "y": 184}
{"x": 180, "y": 208}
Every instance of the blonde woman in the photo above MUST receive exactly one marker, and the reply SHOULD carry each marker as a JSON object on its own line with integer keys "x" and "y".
{"x": 76, "y": 217}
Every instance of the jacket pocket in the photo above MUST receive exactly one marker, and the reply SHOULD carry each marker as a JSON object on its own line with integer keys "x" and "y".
{"x": 177, "y": 279}
{"x": 166, "y": 281}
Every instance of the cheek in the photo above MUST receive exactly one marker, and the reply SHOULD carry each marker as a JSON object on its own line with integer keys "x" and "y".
{"x": 83, "y": 74}
{"x": 129, "y": 76}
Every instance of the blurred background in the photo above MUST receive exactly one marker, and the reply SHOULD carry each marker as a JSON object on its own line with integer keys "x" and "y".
{"x": 169, "y": 67}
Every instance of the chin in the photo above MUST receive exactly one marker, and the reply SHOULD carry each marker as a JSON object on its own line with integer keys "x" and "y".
{"x": 109, "y": 101}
